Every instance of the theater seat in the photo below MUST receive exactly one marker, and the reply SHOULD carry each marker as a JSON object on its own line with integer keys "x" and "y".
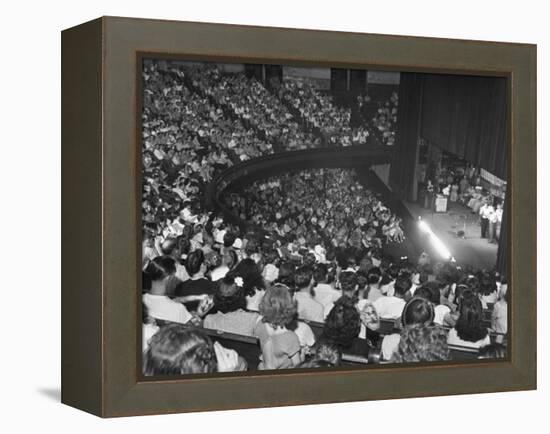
{"x": 248, "y": 347}
{"x": 463, "y": 353}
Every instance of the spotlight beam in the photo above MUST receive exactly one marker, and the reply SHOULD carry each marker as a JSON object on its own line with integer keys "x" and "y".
{"x": 438, "y": 245}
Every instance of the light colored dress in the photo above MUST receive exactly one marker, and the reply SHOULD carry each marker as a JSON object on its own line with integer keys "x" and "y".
{"x": 282, "y": 345}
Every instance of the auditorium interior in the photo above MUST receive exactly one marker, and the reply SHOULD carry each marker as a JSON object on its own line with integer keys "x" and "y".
{"x": 429, "y": 148}
{"x": 444, "y": 122}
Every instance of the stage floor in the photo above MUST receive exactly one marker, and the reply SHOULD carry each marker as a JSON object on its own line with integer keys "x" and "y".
{"x": 472, "y": 249}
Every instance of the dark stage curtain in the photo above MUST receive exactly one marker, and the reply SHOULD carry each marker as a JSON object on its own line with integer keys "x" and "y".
{"x": 358, "y": 80}
{"x": 409, "y": 114}
{"x": 273, "y": 71}
{"x": 466, "y": 116}
{"x": 502, "y": 254}
{"x": 338, "y": 79}
{"x": 253, "y": 71}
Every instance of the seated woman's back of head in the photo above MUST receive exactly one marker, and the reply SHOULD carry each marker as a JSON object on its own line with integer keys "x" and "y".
{"x": 177, "y": 350}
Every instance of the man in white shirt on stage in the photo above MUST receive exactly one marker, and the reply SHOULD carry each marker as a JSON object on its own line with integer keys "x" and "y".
{"x": 484, "y": 212}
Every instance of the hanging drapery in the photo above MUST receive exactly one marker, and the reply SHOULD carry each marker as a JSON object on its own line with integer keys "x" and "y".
{"x": 409, "y": 112}
{"x": 466, "y": 116}
{"x": 502, "y": 254}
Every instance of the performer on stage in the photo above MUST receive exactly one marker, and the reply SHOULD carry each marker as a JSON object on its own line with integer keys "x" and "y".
{"x": 484, "y": 212}
{"x": 429, "y": 201}
{"x": 454, "y": 193}
{"x": 498, "y": 222}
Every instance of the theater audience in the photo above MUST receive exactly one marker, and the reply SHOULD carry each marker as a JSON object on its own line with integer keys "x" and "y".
{"x": 310, "y": 245}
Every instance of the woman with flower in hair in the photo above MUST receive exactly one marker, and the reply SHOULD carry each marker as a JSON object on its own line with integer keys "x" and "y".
{"x": 252, "y": 282}
{"x": 228, "y": 313}
{"x": 280, "y": 346}
{"x": 422, "y": 343}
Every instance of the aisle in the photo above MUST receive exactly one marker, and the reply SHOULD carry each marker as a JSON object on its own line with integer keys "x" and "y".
{"x": 411, "y": 247}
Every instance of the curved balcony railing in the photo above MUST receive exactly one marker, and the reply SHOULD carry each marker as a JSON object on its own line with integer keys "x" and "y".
{"x": 244, "y": 173}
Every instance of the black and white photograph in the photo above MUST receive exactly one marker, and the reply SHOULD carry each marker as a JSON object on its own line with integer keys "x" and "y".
{"x": 315, "y": 217}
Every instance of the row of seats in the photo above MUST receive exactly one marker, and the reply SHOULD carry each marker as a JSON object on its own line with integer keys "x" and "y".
{"x": 359, "y": 354}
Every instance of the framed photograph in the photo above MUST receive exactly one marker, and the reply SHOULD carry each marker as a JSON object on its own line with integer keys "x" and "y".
{"x": 259, "y": 216}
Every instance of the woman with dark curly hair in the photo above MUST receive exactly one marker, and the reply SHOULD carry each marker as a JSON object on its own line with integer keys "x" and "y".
{"x": 252, "y": 282}
{"x": 422, "y": 343}
{"x": 280, "y": 346}
{"x": 469, "y": 330}
{"x": 342, "y": 324}
{"x": 179, "y": 350}
{"x": 228, "y": 313}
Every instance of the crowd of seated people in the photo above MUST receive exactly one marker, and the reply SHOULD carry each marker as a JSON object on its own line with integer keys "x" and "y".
{"x": 302, "y": 286}
{"x": 187, "y": 136}
{"x": 186, "y": 140}
{"x": 318, "y": 110}
{"x": 249, "y": 100}
{"x": 301, "y": 309}
{"x": 287, "y": 205}
{"x": 385, "y": 120}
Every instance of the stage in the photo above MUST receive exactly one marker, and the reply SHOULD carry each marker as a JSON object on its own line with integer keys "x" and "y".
{"x": 471, "y": 248}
